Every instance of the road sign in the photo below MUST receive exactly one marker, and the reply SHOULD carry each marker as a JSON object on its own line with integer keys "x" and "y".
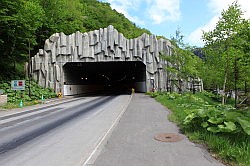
{"x": 18, "y": 84}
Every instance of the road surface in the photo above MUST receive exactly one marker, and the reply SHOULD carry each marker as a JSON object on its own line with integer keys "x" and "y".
{"x": 65, "y": 134}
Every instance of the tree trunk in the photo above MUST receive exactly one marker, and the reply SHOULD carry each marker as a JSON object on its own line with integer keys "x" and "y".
{"x": 225, "y": 82}
{"x": 224, "y": 89}
{"x": 235, "y": 82}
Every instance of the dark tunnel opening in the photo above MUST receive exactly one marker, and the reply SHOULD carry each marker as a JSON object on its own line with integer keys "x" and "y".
{"x": 104, "y": 77}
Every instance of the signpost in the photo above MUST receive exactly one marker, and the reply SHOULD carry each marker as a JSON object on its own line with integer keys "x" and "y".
{"x": 18, "y": 85}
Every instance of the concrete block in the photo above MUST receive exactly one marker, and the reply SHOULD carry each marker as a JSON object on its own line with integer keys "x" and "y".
{"x": 124, "y": 48}
{"x": 85, "y": 46}
{"x": 41, "y": 52}
{"x": 139, "y": 48}
{"x": 68, "y": 45}
{"x": 111, "y": 37}
{"x": 146, "y": 40}
{"x": 54, "y": 38}
{"x": 91, "y": 52}
{"x": 3, "y": 99}
{"x": 63, "y": 40}
{"x": 78, "y": 42}
{"x": 98, "y": 48}
{"x": 96, "y": 36}
{"x": 116, "y": 37}
{"x": 91, "y": 38}
{"x": 131, "y": 44}
{"x": 118, "y": 52}
{"x": 120, "y": 40}
{"x": 135, "y": 53}
{"x": 101, "y": 31}
{"x": 47, "y": 45}
{"x": 105, "y": 34}
{"x": 57, "y": 73}
{"x": 53, "y": 53}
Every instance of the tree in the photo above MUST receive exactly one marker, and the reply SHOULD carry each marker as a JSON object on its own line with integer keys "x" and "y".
{"x": 19, "y": 22}
{"x": 31, "y": 22}
{"x": 224, "y": 49}
{"x": 183, "y": 64}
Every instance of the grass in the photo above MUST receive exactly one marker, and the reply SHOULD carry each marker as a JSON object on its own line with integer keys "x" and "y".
{"x": 17, "y": 104}
{"x": 233, "y": 148}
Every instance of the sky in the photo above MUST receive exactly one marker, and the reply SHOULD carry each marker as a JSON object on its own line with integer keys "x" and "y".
{"x": 164, "y": 17}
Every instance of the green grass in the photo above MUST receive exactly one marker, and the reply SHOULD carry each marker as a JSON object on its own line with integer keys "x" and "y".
{"x": 17, "y": 104}
{"x": 232, "y": 147}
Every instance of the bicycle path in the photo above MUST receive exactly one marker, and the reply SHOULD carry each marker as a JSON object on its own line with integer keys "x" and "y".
{"x": 132, "y": 142}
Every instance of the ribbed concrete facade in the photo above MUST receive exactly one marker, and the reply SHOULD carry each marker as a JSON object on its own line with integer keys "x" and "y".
{"x": 103, "y": 45}
{"x": 106, "y": 45}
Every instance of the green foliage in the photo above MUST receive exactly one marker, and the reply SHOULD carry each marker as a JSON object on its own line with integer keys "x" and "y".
{"x": 224, "y": 129}
{"x": 227, "y": 52}
{"x": 36, "y": 92}
{"x": 31, "y": 22}
{"x": 99, "y": 15}
{"x": 218, "y": 118}
{"x": 182, "y": 64}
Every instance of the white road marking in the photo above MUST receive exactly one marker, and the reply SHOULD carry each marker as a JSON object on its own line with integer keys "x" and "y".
{"x": 94, "y": 154}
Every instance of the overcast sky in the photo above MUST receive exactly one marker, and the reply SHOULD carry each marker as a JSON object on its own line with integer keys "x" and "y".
{"x": 163, "y": 17}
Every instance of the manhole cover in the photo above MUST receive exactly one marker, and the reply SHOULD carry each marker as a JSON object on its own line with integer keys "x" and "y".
{"x": 169, "y": 137}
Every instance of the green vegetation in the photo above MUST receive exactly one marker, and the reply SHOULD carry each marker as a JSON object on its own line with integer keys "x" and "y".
{"x": 223, "y": 63}
{"x": 26, "y": 24}
{"x": 37, "y": 94}
{"x": 203, "y": 119}
{"x": 218, "y": 121}
{"x": 183, "y": 64}
{"x": 227, "y": 53}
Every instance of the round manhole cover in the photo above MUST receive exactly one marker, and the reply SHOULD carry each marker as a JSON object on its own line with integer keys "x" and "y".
{"x": 169, "y": 137}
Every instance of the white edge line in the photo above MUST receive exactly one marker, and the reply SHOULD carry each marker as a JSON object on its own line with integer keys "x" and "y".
{"x": 91, "y": 157}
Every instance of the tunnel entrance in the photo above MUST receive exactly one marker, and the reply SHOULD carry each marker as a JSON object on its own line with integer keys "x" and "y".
{"x": 101, "y": 77}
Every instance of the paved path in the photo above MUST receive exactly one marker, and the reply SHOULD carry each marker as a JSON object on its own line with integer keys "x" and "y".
{"x": 132, "y": 142}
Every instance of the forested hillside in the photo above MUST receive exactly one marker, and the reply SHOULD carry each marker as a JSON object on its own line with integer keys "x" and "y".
{"x": 25, "y": 24}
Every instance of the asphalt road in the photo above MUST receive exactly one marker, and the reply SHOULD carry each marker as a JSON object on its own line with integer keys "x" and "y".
{"x": 64, "y": 134}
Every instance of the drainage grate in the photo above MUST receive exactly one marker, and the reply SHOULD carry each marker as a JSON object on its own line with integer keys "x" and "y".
{"x": 169, "y": 137}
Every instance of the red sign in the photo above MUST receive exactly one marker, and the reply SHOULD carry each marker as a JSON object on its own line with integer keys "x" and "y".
{"x": 20, "y": 83}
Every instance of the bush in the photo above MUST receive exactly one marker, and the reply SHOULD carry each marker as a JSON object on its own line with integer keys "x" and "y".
{"x": 36, "y": 92}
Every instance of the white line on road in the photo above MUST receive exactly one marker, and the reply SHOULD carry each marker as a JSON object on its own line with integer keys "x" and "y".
{"x": 91, "y": 159}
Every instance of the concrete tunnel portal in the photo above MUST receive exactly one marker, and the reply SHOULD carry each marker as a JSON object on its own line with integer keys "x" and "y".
{"x": 101, "y": 77}
{"x": 101, "y": 60}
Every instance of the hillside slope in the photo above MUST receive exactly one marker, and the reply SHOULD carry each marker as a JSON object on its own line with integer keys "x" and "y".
{"x": 24, "y": 26}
